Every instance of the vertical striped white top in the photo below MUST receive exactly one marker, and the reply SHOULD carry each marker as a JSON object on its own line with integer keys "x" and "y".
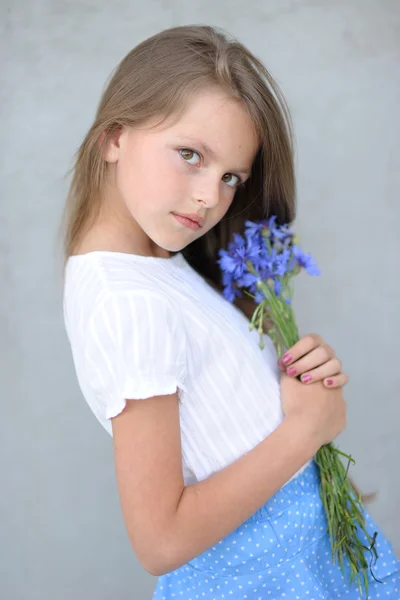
{"x": 142, "y": 326}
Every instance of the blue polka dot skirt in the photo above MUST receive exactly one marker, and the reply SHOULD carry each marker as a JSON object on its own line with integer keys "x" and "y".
{"x": 282, "y": 552}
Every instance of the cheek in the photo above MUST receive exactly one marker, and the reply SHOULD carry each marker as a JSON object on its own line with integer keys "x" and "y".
{"x": 126, "y": 176}
{"x": 159, "y": 173}
{"x": 226, "y": 200}
{"x": 135, "y": 177}
{"x": 219, "y": 212}
{"x": 175, "y": 173}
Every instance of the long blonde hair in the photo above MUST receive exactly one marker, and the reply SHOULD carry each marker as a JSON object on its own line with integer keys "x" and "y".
{"x": 155, "y": 80}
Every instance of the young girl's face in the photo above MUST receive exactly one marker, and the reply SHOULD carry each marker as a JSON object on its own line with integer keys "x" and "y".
{"x": 190, "y": 166}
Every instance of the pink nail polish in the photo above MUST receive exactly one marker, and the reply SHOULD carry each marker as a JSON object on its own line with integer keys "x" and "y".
{"x": 291, "y": 371}
{"x": 329, "y": 381}
{"x": 286, "y": 358}
{"x": 306, "y": 378}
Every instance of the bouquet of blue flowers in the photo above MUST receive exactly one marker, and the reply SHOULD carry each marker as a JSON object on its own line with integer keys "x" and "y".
{"x": 262, "y": 263}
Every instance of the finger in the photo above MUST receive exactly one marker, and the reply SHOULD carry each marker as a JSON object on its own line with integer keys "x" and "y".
{"x": 319, "y": 358}
{"x": 336, "y": 381}
{"x": 329, "y": 369}
{"x": 302, "y": 347}
{"x": 281, "y": 365}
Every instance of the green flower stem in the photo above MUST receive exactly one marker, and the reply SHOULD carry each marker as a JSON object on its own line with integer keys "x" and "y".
{"x": 343, "y": 508}
{"x": 283, "y": 325}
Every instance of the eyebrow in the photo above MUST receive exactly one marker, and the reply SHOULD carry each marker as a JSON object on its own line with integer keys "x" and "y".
{"x": 208, "y": 150}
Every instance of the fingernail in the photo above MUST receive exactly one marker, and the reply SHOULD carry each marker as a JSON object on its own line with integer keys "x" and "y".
{"x": 306, "y": 378}
{"x": 281, "y": 365}
{"x": 291, "y": 371}
{"x": 287, "y": 358}
{"x": 329, "y": 382}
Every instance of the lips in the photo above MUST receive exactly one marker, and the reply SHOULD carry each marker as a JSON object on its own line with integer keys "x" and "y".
{"x": 192, "y": 217}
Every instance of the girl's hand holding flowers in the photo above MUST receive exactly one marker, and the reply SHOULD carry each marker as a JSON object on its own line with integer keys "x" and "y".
{"x": 312, "y": 359}
{"x": 319, "y": 412}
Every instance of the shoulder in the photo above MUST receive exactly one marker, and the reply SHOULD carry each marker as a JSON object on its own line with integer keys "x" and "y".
{"x": 107, "y": 287}
{"x": 103, "y": 274}
{"x": 110, "y": 267}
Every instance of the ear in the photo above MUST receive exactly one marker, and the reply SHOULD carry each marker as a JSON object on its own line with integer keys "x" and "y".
{"x": 109, "y": 145}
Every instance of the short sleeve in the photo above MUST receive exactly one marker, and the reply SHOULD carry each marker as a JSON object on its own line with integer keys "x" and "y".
{"x": 135, "y": 349}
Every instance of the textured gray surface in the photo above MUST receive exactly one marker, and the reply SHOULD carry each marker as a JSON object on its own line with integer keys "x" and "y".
{"x": 62, "y": 534}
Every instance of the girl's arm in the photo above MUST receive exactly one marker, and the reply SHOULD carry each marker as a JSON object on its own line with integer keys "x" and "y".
{"x": 169, "y": 524}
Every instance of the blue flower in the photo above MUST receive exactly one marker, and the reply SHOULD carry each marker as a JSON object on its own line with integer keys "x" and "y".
{"x": 239, "y": 252}
{"x": 284, "y": 233}
{"x": 254, "y": 229}
{"x": 248, "y": 280}
{"x": 230, "y": 291}
{"x": 306, "y": 261}
{"x": 227, "y": 262}
{"x": 277, "y": 287}
{"x": 265, "y": 252}
{"x": 282, "y": 262}
{"x": 234, "y": 260}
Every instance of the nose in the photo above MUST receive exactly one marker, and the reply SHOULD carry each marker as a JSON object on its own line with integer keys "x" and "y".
{"x": 207, "y": 192}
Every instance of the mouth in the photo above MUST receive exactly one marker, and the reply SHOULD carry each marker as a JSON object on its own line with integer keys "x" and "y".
{"x": 193, "y": 222}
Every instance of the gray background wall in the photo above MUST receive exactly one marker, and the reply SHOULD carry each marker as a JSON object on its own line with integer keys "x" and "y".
{"x": 61, "y": 533}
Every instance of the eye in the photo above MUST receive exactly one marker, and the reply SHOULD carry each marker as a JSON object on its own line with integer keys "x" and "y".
{"x": 232, "y": 180}
{"x": 190, "y": 156}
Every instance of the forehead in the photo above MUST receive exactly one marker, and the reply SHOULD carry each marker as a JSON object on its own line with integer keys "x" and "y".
{"x": 219, "y": 121}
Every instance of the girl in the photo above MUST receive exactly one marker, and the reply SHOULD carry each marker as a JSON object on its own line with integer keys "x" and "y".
{"x": 213, "y": 445}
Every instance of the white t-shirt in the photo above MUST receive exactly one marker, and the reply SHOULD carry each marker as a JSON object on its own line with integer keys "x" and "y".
{"x": 141, "y": 326}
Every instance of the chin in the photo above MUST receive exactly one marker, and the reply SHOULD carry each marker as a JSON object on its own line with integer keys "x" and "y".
{"x": 174, "y": 246}
{"x": 177, "y": 243}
